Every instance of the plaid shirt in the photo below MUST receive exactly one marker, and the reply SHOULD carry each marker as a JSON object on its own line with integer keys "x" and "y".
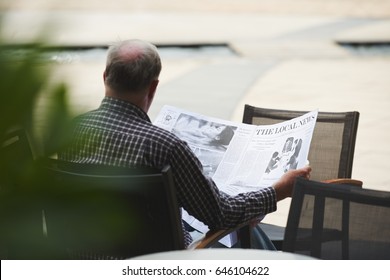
{"x": 121, "y": 134}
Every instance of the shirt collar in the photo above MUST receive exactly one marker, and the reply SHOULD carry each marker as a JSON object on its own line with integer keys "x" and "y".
{"x": 124, "y": 107}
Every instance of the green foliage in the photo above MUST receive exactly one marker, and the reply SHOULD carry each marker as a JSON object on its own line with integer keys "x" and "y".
{"x": 20, "y": 83}
{"x": 57, "y": 121}
{"x": 24, "y": 81}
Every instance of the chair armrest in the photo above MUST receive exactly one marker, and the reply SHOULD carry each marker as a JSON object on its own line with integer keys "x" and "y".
{"x": 211, "y": 237}
{"x": 346, "y": 181}
{"x": 214, "y": 235}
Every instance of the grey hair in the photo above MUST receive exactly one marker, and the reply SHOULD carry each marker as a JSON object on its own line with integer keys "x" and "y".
{"x": 132, "y": 65}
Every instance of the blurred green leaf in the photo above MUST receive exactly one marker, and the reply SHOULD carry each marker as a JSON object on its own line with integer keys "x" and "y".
{"x": 25, "y": 80}
{"x": 58, "y": 120}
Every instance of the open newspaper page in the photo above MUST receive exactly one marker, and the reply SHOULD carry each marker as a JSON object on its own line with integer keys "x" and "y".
{"x": 241, "y": 157}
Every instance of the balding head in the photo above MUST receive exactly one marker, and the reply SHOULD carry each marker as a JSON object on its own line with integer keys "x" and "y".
{"x": 131, "y": 66}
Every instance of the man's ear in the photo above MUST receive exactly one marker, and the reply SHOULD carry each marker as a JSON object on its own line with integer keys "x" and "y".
{"x": 150, "y": 95}
{"x": 152, "y": 89}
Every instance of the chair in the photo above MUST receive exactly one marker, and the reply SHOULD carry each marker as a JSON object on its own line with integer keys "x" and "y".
{"x": 100, "y": 212}
{"x": 331, "y": 151}
{"x": 95, "y": 212}
{"x": 345, "y": 222}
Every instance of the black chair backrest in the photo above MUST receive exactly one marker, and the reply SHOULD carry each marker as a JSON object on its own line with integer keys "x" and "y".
{"x": 346, "y": 222}
{"x": 98, "y": 212}
{"x": 333, "y": 143}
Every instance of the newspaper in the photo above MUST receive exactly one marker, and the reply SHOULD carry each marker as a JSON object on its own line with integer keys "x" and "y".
{"x": 241, "y": 157}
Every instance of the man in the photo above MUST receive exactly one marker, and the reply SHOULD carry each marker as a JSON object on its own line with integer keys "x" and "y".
{"x": 119, "y": 133}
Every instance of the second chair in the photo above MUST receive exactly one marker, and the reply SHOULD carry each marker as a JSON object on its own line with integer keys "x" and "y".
{"x": 331, "y": 151}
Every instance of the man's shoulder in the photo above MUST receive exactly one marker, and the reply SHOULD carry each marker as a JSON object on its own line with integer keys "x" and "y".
{"x": 126, "y": 124}
{"x": 163, "y": 133}
{"x": 85, "y": 115}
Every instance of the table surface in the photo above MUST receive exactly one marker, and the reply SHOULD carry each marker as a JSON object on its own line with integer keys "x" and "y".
{"x": 223, "y": 254}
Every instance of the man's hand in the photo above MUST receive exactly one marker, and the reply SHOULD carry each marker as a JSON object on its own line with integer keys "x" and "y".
{"x": 284, "y": 185}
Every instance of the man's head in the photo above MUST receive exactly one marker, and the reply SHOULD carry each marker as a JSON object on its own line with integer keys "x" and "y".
{"x": 132, "y": 68}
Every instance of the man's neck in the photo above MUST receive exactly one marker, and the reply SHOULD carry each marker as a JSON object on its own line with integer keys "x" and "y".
{"x": 136, "y": 98}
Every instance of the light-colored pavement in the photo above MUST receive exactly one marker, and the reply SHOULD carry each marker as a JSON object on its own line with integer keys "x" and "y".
{"x": 279, "y": 54}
